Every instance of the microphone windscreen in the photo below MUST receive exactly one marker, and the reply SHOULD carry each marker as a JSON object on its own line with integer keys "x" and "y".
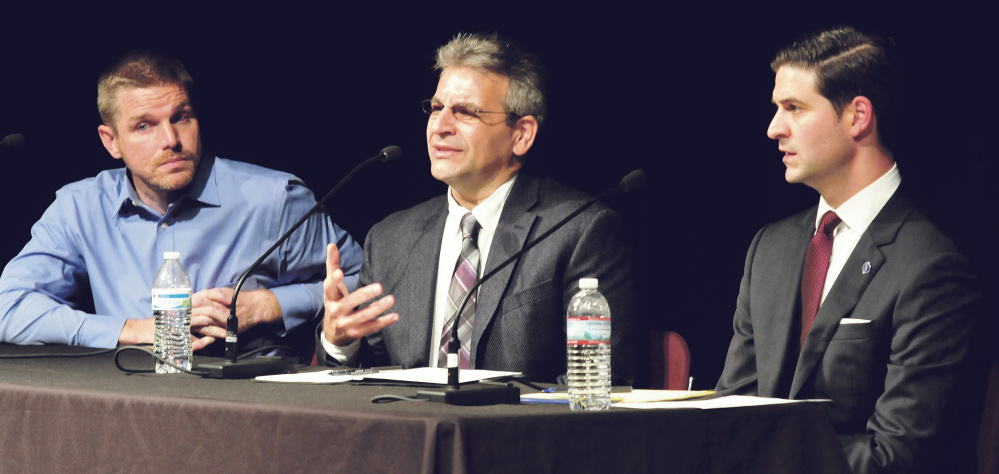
{"x": 13, "y": 139}
{"x": 633, "y": 181}
{"x": 390, "y": 153}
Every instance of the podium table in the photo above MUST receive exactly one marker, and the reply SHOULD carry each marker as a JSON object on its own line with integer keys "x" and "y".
{"x": 85, "y": 415}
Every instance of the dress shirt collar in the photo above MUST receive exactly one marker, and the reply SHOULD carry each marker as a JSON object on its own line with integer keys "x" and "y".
{"x": 487, "y": 213}
{"x": 202, "y": 189}
{"x": 859, "y": 211}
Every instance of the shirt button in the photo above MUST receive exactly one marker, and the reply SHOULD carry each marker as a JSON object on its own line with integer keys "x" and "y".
{"x": 164, "y": 226}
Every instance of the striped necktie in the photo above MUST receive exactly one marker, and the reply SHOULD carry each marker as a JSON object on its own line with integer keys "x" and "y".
{"x": 466, "y": 274}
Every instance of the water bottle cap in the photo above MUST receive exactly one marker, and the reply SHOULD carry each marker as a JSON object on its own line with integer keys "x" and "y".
{"x": 588, "y": 283}
{"x": 171, "y": 255}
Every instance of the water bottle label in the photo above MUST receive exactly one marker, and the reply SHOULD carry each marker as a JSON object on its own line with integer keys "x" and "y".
{"x": 171, "y": 299}
{"x": 588, "y": 330}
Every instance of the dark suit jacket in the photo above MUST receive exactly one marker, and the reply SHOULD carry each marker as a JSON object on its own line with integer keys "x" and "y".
{"x": 896, "y": 383}
{"x": 520, "y": 312}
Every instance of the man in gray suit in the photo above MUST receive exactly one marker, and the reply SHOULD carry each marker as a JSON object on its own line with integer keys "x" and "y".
{"x": 860, "y": 300}
{"x": 484, "y": 118}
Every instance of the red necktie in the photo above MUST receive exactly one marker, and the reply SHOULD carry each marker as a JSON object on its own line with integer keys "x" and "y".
{"x": 816, "y": 265}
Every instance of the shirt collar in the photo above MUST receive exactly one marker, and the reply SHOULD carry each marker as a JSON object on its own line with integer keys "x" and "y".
{"x": 203, "y": 188}
{"x": 859, "y": 211}
{"x": 487, "y": 213}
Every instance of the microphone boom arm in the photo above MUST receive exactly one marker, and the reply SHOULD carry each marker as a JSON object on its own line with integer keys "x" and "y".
{"x": 232, "y": 323}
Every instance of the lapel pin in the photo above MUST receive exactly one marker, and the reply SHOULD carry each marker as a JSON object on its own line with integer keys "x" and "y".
{"x": 865, "y": 268}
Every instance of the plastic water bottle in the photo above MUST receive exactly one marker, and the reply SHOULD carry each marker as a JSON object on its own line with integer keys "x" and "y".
{"x": 588, "y": 334}
{"x": 172, "y": 313}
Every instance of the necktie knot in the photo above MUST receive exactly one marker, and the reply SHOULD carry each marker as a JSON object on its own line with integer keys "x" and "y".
{"x": 829, "y": 222}
{"x": 469, "y": 226}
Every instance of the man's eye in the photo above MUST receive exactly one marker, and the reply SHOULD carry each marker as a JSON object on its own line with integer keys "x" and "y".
{"x": 436, "y": 108}
{"x": 182, "y": 118}
{"x": 463, "y": 113}
{"x": 142, "y": 127}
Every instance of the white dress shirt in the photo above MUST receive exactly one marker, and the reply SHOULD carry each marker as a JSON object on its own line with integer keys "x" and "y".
{"x": 487, "y": 213}
{"x": 856, "y": 215}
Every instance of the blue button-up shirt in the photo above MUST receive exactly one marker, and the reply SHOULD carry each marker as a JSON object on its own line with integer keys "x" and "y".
{"x": 99, "y": 235}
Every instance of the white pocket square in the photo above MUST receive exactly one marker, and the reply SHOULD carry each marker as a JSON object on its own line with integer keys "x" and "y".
{"x": 854, "y": 321}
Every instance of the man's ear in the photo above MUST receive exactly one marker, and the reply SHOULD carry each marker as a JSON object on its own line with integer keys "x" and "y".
{"x": 525, "y": 130}
{"x": 109, "y": 140}
{"x": 861, "y": 116}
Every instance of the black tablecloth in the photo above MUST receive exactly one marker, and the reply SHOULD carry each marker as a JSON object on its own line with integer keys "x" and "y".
{"x": 85, "y": 415}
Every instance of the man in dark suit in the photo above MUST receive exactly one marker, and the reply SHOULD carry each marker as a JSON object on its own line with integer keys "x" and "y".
{"x": 484, "y": 118}
{"x": 860, "y": 300}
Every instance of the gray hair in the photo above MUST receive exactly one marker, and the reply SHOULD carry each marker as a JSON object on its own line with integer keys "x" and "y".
{"x": 137, "y": 70}
{"x": 525, "y": 95}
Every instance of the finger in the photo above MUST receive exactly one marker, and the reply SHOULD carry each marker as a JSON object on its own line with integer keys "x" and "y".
{"x": 209, "y": 331}
{"x": 332, "y": 258}
{"x": 198, "y": 322}
{"x": 218, "y": 316}
{"x": 333, "y": 287}
{"x": 213, "y": 296}
{"x": 198, "y": 343}
{"x": 363, "y": 316}
{"x": 361, "y": 296}
{"x": 368, "y": 327}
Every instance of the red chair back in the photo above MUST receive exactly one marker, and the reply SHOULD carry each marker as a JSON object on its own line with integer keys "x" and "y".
{"x": 670, "y": 361}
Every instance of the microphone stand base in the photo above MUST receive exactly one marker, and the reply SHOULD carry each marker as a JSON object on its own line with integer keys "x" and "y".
{"x": 476, "y": 394}
{"x": 248, "y": 368}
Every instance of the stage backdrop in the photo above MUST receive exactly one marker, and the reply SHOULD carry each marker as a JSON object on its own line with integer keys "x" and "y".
{"x": 682, "y": 93}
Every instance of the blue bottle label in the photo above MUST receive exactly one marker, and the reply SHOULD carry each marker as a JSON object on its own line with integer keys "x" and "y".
{"x": 587, "y": 330}
{"x": 171, "y": 299}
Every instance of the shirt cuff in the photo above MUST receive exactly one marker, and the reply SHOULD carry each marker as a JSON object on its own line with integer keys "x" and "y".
{"x": 300, "y": 303}
{"x": 100, "y": 331}
{"x": 345, "y": 355}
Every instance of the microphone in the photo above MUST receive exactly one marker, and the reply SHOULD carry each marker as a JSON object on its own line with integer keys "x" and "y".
{"x": 12, "y": 140}
{"x": 493, "y": 394}
{"x": 233, "y": 368}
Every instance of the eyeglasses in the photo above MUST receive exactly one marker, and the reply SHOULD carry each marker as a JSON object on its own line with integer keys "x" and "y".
{"x": 460, "y": 112}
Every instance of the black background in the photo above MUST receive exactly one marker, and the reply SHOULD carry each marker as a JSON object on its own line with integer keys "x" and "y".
{"x": 681, "y": 92}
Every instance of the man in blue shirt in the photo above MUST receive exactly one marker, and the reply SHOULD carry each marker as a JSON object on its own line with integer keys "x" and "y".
{"x": 109, "y": 232}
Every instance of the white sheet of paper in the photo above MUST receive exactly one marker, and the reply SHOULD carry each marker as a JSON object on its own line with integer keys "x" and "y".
{"x": 319, "y": 377}
{"x": 428, "y": 375}
{"x": 438, "y": 376}
{"x": 731, "y": 401}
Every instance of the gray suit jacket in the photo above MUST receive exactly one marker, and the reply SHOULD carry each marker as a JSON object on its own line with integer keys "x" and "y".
{"x": 896, "y": 383}
{"x": 520, "y": 312}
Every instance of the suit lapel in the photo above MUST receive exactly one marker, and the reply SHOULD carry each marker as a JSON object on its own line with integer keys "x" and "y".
{"x": 850, "y": 285}
{"x": 514, "y": 227}
{"x": 418, "y": 300}
{"x": 786, "y": 308}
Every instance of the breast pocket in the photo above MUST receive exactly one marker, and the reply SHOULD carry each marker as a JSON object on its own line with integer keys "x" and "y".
{"x": 534, "y": 296}
{"x": 848, "y": 331}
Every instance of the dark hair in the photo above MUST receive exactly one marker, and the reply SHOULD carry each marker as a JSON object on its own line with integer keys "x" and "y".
{"x": 135, "y": 70}
{"x": 525, "y": 94}
{"x": 847, "y": 64}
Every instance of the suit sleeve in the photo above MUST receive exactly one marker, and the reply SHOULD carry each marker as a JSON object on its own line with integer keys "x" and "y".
{"x": 740, "y": 376}
{"x": 605, "y": 252}
{"x": 928, "y": 390}
{"x": 371, "y": 349}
